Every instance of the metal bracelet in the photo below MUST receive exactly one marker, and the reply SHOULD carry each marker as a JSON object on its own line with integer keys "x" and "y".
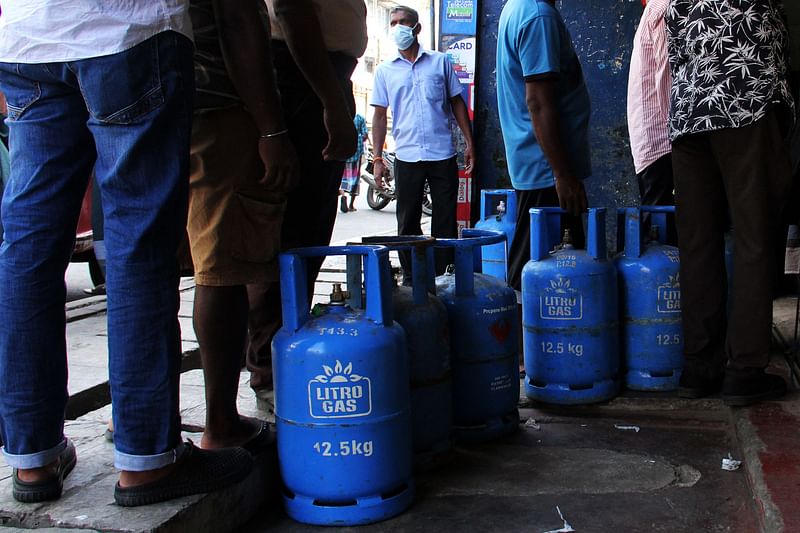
{"x": 274, "y": 134}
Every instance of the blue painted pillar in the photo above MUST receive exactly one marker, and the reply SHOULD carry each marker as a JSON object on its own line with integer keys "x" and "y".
{"x": 602, "y": 32}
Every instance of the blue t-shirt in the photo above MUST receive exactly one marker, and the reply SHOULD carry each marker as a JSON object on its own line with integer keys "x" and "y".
{"x": 533, "y": 40}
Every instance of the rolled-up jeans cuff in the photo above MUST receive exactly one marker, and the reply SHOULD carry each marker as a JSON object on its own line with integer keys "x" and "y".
{"x": 35, "y": 460}
{"x": 141, "y": 463}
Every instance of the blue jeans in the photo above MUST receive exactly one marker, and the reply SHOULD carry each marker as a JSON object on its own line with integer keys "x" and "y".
{"x": 128, "y": 115}
{"x": 4, "y": 170}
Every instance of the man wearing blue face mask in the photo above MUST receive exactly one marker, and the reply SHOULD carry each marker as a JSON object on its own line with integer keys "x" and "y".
{"x": 424, "y": 94}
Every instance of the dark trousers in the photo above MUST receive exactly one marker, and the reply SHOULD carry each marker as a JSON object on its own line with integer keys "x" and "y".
{"x": 656, "y": 188}
{"x": 520, "y": 251}
{"x": 748, "y": 167}
{"x": 442, "y": 178}
{"x": 311, "y": 207}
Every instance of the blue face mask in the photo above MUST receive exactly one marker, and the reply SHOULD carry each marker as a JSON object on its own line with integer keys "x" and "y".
{"x": 403, "y": 36}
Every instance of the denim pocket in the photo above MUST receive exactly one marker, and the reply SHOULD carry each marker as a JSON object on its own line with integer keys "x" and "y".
{"x": 21, "y": 92}
{"x": 124, "y": 87}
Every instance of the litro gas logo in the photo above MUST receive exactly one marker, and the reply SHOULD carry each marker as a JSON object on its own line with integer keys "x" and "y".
{"x": 561, "y": 301}
{"x": 339, "y": 393}
{"x": 669, "y": 295}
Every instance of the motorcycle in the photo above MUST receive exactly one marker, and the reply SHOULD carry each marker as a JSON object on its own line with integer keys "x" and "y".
{"x": 83, "y": 251}
{"x": 380, "y": 197}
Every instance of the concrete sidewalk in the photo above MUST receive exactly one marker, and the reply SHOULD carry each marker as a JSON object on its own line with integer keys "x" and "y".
{"x": 642, "y": 462}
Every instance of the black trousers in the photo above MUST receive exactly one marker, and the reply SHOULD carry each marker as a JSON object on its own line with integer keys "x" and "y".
{"x": 442, "y": 178}
{"x": 311, "y": 207}
{"x": 745, "y": 170}
{"x": 520, "y": 251}
{"x": 656, "y": 188}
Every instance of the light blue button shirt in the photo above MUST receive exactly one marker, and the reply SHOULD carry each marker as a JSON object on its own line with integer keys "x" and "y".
{"x": 419, "y": 95}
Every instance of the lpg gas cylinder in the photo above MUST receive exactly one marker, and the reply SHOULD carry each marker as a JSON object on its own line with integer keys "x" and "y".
{"x": 342, "y": 405}
{"x": 424, "y": 319}
{"x": 569, "y": 315}
{"x": 484, "y": 342}
{"x": 498, "y": 213}
{"x": 650, "y": 305}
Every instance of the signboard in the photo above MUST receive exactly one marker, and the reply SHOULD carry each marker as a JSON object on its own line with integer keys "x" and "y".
{"x": 458, "y": 28}
{"x": 459, "y": 17}
{"x": 462, "y": 55}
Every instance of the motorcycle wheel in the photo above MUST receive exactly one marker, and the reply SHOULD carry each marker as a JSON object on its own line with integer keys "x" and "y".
{"x": 376, "y": 200}
{"x": 427, "y": 204}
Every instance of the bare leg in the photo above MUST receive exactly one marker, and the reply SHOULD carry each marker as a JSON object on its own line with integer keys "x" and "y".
{"x": 133, "y": 479}
{"x": 42, "y": 473}
{"x": 220, "y": 321}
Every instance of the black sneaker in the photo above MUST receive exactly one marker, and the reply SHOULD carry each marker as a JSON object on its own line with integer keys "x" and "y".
{"x": 751, "y": 385}
{"x": 694, "y": 385}
{"x": 196, "y": 471}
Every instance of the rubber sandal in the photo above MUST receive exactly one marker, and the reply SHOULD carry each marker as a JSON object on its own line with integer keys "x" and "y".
{"x": 196, "y": 472}
{"x": 261, "y": 441}
{"x": 49, "y": 489}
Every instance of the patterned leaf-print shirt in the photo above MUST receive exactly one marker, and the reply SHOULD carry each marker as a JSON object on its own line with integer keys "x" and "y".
{"x": 729, "y": 63}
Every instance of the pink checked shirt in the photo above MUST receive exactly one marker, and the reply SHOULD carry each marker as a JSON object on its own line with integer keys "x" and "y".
{"x": 648, "y": 88}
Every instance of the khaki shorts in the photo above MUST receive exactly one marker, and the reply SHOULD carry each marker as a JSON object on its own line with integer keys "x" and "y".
{"x": 234, "y": 222}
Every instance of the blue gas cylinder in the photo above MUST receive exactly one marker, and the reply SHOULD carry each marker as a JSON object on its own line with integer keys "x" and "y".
{"x": 498, "y": 213}
{"x": 424, "y": 319}
{"x": 484, "y": 343}
{"x": 342, "y": 405}
{"x": 569, "y": 314}
{"x": 651, "y": 336}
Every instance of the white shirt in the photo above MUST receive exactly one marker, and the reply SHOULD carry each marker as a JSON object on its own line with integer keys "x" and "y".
{"x": 44, "y": 31}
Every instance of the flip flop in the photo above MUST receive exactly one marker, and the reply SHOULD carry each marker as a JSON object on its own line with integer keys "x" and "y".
{"x": 48, "y": 489}
{"x": 196, "y": 471}
{"x": 261, "y": 441}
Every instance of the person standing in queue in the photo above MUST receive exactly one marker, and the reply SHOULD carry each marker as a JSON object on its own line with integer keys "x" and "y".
{"x": 544, "y": 114}
{"x": 424, "y": 93}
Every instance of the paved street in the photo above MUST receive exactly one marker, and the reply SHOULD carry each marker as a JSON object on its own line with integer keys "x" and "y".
{"x": 77, "y": 279}
{"x": 365, "y": 221}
